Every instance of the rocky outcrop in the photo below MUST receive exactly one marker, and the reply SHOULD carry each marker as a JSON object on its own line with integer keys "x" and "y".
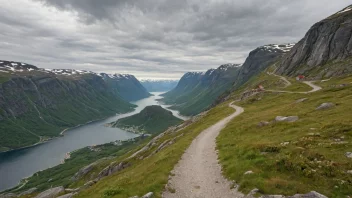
{"x": 259, "y": 59}
{"x": 112, "y": 168}
{"x": 326, "y": 105}
{"x": 328, "y": 41}
{"x": 83, "y": 171}
{"x": 51, "y": 193}
{"x": 27, "y": 192}
{"x": 311, "y": 194}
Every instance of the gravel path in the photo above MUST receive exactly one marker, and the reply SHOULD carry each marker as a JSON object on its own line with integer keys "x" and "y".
{"x": 198, "y": 173}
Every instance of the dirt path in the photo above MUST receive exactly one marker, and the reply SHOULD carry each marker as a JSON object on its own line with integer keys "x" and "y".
{"x": 309, "y": 83}
{"x": 287, "y": 82}
{"x": 198, "y": 173}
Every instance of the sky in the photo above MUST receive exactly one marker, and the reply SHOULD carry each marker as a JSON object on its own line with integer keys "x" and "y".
{"x": 151, "y": 39}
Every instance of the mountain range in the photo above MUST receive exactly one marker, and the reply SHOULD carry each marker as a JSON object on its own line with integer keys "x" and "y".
{"x": 37, "y": 104}
{"x": 155, "y": 85}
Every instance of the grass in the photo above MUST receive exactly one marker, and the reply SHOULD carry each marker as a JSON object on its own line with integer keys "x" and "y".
{"x": 61, "y": 175}
{"x": 152, "y": 119}
{"x": 151, "y": 174}
{"x": 314, "y": 158}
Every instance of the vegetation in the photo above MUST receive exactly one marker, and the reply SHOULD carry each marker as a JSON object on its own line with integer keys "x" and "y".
{"x": 289, "y": 158}
{"x": 151, "y": 174}
{"x": 152, "y": 119}
{"x": 68, "y": 109}
{"x": 61, "y": 175}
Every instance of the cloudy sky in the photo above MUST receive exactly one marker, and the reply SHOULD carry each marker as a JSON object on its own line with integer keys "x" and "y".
{"x": 150, "y": 38}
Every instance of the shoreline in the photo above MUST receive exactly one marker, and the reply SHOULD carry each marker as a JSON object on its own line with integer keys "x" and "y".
{"x": 62, "y": 133}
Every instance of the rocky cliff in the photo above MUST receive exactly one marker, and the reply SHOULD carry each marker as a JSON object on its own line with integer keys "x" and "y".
{"x": 37, "y": 104}
{"x": 324, "y": 51}
{"x": 259, "y": 59}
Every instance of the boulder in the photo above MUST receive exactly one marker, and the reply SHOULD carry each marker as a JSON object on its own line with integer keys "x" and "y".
{"x": 149, "y": 195}
{"x": 286, "y": 119}
{"x": 83, "y": 171}
{"x": 51, "y": 193}
{"x": 301, "y": 100}
{"x": 70, "y": 195}
{"x": 311, "y": 194}
{"x": 249, "y": 172}
{"x": 348, "y": 154}
{"x": 27, "y": 192}
{"x": 327, "y": 105}
{"x": 263, "y": 123}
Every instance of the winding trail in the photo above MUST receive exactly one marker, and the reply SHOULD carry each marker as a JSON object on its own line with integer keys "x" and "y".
{"x": 198, "y": 173}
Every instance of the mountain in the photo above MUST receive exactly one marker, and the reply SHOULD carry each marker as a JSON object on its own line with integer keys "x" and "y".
{"x": 158, "y": 85}
{"x": 324, "y": 51}
{"x": 152, "y": 119}
{"x": 37, "y": 104}
{"x": 196, "y": 91}
{"x": 126, "y": 86}
{"x": 259, "y": 59}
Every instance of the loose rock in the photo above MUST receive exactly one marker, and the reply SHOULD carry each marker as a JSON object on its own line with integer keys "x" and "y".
{"x": 248, "y": 172}
{"x": 348, "y": 154}
{"x": 286, "y": 119}
{"x": 27, "y": 192}
{"x": 263, "y": 123}
{"x": 301, "y": 100}
{"x": 51, "y": 193}
{"x": 325, "y": 106}
{"x": 148, "y": 195}
{"x": 70, "y": 195}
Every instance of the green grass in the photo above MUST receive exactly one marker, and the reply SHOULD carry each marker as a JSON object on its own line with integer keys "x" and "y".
{"x": 308, "y": 162}
{"x": 61, "y": 175}
{"x": 151, "y": 174}
{"x": 152, "y": 119}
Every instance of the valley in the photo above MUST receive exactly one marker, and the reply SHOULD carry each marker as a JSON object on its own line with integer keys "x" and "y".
{"x": 52, "y": 153}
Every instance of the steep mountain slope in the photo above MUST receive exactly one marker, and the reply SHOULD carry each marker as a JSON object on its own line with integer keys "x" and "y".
{"x": 196, "y": 91}
{"x": 126, "y": 86}
{"x": 37, "y": 104}
{"x": 259, "y": 59}
{"x": 159, "y": 85}
{"x": 324, "y": 51}
{"x": 152, "y": 119}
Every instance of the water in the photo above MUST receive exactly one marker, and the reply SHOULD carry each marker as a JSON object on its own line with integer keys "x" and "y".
{"x": 18, "y": 164}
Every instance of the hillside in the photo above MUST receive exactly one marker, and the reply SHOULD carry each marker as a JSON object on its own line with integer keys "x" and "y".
{"x": 37, "y": 104}
{"x": 324, "y": 51}
{"x": 126, "y": 86}
{"x": 196, "y": 91}
{"x": 159, "y": 85}
{"x": 152, "y": 119}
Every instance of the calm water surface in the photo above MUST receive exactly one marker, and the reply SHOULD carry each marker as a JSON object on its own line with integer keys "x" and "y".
{"x": 18, "y": 164}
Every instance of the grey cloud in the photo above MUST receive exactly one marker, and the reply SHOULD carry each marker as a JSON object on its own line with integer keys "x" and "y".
{"x": 156, "y": 38}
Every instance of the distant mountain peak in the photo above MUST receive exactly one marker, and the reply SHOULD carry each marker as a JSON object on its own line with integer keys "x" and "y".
{"x": 278, "y": 47}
